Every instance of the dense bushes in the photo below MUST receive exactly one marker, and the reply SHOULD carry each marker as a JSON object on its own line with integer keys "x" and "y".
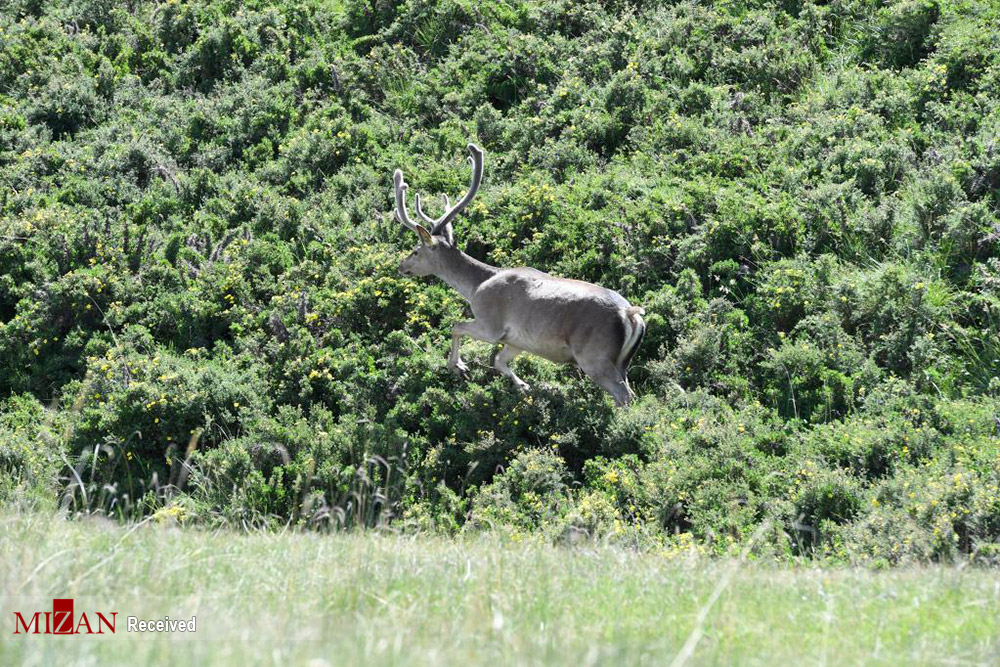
{"x": 200, "y": 314}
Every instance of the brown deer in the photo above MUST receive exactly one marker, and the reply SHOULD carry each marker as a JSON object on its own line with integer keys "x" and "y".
{"x": 525, "y": 310}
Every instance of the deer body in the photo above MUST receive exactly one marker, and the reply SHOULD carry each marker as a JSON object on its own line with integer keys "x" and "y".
{"x": 526, "y": 310}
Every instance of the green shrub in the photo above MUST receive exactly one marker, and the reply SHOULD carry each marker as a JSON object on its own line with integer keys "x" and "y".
{"x": 30, "y": 455}
{"x": 67, "y": 106}
{"x": 804, "y": 382}
{"x": 899, "y": 35}
{"x": 313, "y": 469}
{"x": 529, "y": 493}
{"x": 198, "y": 268}
{"x": 823, "y": 499}
{"x": 139, "y": 418}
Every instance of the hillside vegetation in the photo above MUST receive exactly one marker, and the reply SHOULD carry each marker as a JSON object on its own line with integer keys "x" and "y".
{"x": 201, "y": 317}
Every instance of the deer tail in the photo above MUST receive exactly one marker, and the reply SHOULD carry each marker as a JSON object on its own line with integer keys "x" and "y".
{"x": 634, "y": 330}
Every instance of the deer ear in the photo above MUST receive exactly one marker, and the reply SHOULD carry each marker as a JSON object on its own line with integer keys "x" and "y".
{"x": 425, "y": 236}
{"x": 449, "y": 234}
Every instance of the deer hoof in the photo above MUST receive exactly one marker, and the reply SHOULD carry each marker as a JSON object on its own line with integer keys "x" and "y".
{"x": 523, "y": 386}
{"x": 460, "y": 369}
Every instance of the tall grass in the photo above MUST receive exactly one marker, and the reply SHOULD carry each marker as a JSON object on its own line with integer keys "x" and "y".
{"x": 380, "y": 598}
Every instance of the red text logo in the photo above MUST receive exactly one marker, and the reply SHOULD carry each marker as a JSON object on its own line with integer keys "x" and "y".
{"x": 62, "y": 621}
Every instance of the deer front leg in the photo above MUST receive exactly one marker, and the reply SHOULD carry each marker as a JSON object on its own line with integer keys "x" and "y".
{"x": 472, "y": 329}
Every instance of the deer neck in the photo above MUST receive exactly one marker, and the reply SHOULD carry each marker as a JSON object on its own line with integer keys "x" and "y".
{"x": 465, "y": 274}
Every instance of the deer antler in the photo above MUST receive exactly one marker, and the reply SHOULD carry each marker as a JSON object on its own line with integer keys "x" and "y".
{"x": 400, "y": 193}
{"x": 426, "y": 218}
{"x": 476, "y": 159}
{"x": 438, "y": 225}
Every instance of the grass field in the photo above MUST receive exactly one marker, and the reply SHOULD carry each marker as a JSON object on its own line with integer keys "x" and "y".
{"x": 369, "y": 598}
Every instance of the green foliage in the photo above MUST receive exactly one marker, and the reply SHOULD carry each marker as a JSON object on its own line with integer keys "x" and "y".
{"x": 29, "y": 465}
{"x": 198, "y": 267}
{"x": 898, "y": 35}
{"x": 530, "y": 493}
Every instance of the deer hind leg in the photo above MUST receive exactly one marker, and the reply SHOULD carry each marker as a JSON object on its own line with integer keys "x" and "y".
{"x": 609, "y": 377}
{"x": 504, "y": 356}
{"x": 473, "y": 329}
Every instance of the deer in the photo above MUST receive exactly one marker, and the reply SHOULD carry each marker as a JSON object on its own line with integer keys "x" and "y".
{"x": 523, "y": 309}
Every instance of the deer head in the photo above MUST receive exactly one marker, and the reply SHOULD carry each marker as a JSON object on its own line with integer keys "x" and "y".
{"x": 437, "y": 239}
